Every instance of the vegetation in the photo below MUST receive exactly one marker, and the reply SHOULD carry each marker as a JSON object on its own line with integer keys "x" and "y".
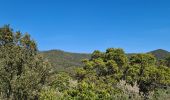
{"x": 62, "y": 61}
{"x": 160, "y": 54}
{"x": 23, "y": 72}
{"x": 110, "y": 75}
{"x": 66, "y": 61}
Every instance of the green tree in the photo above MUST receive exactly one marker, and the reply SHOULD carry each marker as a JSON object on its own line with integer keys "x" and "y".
{"x": 23, "y": 72}
{"x": 61, "y": 81}
{"x": 100, "y": 74}
{"x": 143, "y": 71}
{"x": 168, "y": 61}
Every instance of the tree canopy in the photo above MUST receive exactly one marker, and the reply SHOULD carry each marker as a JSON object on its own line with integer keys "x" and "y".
{"x": 109, "y": 75}
{"x": 23, "y": 71}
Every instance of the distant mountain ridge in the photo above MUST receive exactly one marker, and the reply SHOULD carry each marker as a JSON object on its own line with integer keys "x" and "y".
{"x": 160, "y": 53}
{"x": 62, "y": 60}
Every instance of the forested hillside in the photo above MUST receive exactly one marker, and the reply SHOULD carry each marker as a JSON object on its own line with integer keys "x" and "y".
{"x": 62, "y": 60}
{"x": 26, "y": 74}
{"x": 160, "y": 53}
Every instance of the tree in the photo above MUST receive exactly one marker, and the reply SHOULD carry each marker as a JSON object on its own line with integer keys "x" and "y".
{"x": 112, "y": 63}
{"x": 100, "y": 74}
{"x": 168, "y": 61}
{"x": 23, "y": 72}
{"x": 143, "y": 71}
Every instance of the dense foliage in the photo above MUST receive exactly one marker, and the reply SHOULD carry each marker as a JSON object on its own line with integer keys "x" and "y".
{"x": 65, "y": 61}
{"x": 23, "y": 71}
{"x": 110, "y": 75}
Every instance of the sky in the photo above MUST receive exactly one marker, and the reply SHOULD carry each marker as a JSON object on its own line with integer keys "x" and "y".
{"x": 87, "y": 25}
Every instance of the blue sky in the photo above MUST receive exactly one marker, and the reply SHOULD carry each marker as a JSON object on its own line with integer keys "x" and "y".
{"x": 87, "y": 25}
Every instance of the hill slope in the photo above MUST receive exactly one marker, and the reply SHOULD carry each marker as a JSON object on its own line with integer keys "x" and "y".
{"x": 160, "y": 53}
{"x": 62, "y": 60}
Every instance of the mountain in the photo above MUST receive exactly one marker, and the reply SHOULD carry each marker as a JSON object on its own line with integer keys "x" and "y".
{"x": 62, "y": 60}
{"x": 160, "y": 53}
